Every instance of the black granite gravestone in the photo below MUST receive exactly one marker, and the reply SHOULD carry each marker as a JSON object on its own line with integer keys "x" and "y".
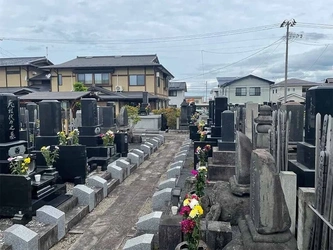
{"x": 183, "y": 115}
{"x": 193, "y": 108}
{"x": 227, "y": 142}
{"x": 210, "y": 111}
{"x": 108, "y": 116}
{"x": 318, "y": 100}
{"x": 144, "y": 104}
{"x": 32, "y": 111}
{"x": 221, "y": 104}
{"x": 10, "y": 145}
{"x": 50, "y": 124}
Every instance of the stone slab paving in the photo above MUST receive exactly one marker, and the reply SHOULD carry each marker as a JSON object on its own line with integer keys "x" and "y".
{"x": 112, "y": 222}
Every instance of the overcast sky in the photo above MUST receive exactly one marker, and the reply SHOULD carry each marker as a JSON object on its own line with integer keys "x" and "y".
{"x": 196, "y": 40}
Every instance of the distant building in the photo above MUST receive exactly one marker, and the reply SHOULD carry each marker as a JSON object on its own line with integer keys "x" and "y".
{"x": 215, "y": 92}
{"x": 196, "y": 99}
{"x": 296, "y": 90}
{"x": 177, "y": 93}
{"x": 245, "y": 89}
{"x": 24, "y": 75}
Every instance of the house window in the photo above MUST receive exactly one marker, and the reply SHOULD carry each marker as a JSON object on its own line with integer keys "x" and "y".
{"x": 101, "y": 78}
{"x": 158, "y": 82}
{"x": 273, "y": 91}
{"x": 240, "y": 91}
{"x": 172, "y": 92}
{"x": 85, "y": 78}
{"x": 288, "y": 89}
{"x": 294, "y": 89}
{"x": 60, "y": 80}
{"x": 137, "y": 80}
{"x": 255, "y": 91}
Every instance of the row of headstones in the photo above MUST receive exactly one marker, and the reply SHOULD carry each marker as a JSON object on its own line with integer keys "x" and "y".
{"x": 148, "y": 225}
{"x": 123, "y": 167}
{"x": 21, "y": 237}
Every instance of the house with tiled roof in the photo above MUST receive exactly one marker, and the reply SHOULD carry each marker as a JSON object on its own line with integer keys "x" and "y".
{"x": 22, "y": 75}
{"x": 177, "y": 93}
{"x": 111, "y": 78}
{"x": 296, "y": 90}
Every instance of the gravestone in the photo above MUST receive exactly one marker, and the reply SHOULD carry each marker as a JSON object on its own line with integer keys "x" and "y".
{"x": 221, "y": 104}
{"x": 227, "y": 142}
{"x": 183, "y": 115}
{"x": 10, "y": 145}
{"x": 108, "y": 117}
{"x": 122, "y": 118}
{"x": 89, "y": 112}
{"x": 268, "y": 208}
{"x": 297, "y": 120}
{"x": 260, "y": 137}
{"x": 240, "y": 182}
{"x": 144, "y": 104}
{"x": 32, "y": 111}
{"x": 210, "y": 112}
{"x": 318, "y": 100}
{"x": 48, "y": 127}
{"x": 193, "y": 108}
{"x": 112, "y": 105}
{"x": 251, "y": 108}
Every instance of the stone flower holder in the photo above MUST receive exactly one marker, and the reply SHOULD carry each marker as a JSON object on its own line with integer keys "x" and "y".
{"x": 183, "y": 246}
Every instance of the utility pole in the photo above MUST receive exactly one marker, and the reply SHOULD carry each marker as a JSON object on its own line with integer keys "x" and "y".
{"x": 286, "y": 23}
{"x": 203, "y": 71}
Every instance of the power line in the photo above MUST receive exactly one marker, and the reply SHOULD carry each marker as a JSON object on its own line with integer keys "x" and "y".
{"x": 149, "y": 40}
{"x": 318, "y": 57}
{"x": 231, "y": 64}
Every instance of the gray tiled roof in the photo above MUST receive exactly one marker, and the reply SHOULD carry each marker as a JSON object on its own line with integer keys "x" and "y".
{"x": 19, "y": 61}
{"x": 177, "y": 86}
{"x": 14, "y": 90}
{"x": 109, "y": 61}
{"x": 129, "y": 95}
{"x": 223, "y": 80}
{"x": 295, "y": 82}
{"x": 71, "y": 95}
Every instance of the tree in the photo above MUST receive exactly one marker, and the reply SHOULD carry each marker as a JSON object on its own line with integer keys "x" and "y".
{"x": 76, "y": 105}
{"x": 133, "y": 116}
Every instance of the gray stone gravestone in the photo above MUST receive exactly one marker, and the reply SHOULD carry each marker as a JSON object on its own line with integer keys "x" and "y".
{"x": 122, "y": 118}
{"x": 183, "y": 115}
{"x": 240, "y": 183}
{"x": 227, "y": 142}
{"x": 268, "y": 208}
{"x": 297, "y": 120}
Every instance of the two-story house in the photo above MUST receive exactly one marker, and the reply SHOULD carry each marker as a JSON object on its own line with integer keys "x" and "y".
{"x": 177, "y": 93}
{"x": 22, "y": 75}
{"x": 121, "y": 79}
{"x": 249, "y": 88}
{"x": 296, "y": 90}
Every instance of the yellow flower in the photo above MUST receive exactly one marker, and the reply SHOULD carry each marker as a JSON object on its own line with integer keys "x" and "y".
{"x": 193, "y": 213}
{"x": 43, "y": 148}
{"x": 186, "y": 202}
{"x": 199, "y": 209}
{"x": 22, "y": 171}
{"x": 27, "y": 160}
{"x": 202, "y": 169}
{"x": 23, "y": 164}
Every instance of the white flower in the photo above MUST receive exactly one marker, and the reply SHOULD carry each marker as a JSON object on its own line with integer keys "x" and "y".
{"x": 48, "y": 147}
{"x": 193, "y": 203}
{"x": 19, "y": 157}
{"x": 56, "y": 147}
{"x": 202, "y": 169}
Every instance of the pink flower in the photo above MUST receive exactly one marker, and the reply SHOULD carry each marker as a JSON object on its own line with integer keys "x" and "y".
{"x": 194, "y": 172}
{"x": 194, "y": 196}
{"x": 185, "y": 210}
{"x": 10, "y": 159}
{"x": 187, "y": 226}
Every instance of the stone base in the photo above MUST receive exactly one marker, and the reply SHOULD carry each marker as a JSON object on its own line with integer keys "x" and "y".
{"x": 223, "y": 157}
{"x": 183, "y": 127}
{"x": 218, "y": 172}
{"x": 255, "y": 241}
{"x": 238, "y": 189}
{"x": 305, "y": 176}
{"x": 306, "y": 154}
{"x": 262, "y": 140}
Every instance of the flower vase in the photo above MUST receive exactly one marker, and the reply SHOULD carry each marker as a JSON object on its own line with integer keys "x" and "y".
{"x": 183, "y": 246}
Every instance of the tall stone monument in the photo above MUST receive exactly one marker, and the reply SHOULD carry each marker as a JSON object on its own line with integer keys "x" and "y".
{"x": 184, "y": 115}
{"x": 221, "y": 104}
{"x": 10, "y": 144}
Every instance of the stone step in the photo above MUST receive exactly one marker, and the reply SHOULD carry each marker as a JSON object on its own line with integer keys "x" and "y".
{"x": 75, "y": 216}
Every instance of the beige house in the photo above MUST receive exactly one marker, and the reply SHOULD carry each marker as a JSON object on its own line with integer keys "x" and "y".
{"x": 121, "y": 79}
{"x": 22, "y": 75}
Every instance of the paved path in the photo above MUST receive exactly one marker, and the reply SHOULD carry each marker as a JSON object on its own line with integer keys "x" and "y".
{"x": 112, "y": 222}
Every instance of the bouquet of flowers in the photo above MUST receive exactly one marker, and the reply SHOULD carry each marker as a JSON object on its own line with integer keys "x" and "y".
{"x": 190, "y": 225}
{"x": 195, "y": 117}
{"x": 202, "y": 154}
{"x": 201, "y": 125}
{"x": 203, "y": 135}
{"x": 108, "y": 138}
{"x": 201, "y": 179}
{"x": 20, "y": 164}
{"x": 49, "y": 155}
{"x": 148, "y": 109}
{"x": 71, "y": 139}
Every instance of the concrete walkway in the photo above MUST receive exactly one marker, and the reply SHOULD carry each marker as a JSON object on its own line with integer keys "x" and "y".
{"x": 112, "y": 222}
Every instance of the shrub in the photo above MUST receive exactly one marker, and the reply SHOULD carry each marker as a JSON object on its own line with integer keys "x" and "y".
{"x": 171, "y": 115}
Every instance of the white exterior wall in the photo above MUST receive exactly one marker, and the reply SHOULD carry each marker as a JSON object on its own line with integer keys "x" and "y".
{"x": 230, "y": 91}
{"x": 177, "y": 100}
{"x": 277, "y": 92}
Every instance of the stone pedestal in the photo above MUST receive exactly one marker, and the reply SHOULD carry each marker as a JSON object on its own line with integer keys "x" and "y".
{"x": 221, "y": 166}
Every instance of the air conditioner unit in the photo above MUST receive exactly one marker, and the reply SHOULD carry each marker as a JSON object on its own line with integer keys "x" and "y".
{"x": 119, "y": 88}
{"x": 157, "y": 74}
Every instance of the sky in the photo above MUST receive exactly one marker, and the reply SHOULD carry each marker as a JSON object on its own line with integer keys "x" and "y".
{"x": 196, "y": 40}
